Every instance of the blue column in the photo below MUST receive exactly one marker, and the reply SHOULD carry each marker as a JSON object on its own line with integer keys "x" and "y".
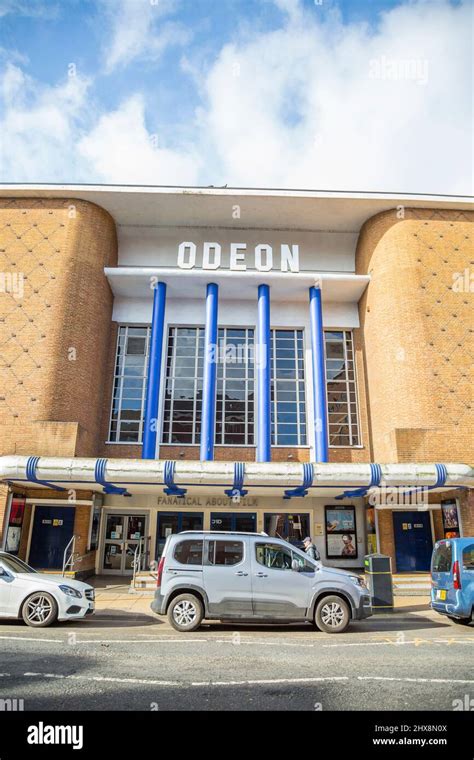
{"x": 319, "y": 375}
{"x": 263, "y": 421}
{"x": 208, "y": 414}
{"x": 150, "y": 422}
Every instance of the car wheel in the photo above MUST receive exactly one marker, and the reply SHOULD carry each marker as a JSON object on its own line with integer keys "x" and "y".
{"x": 332, "y": 615}
{"x": 460, "y": 621}
{"x": 39, "y": 610}
{"x": 185, "y": 612}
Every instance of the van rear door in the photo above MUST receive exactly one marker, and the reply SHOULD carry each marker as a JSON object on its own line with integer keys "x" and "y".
{"x": 441, "y": 574}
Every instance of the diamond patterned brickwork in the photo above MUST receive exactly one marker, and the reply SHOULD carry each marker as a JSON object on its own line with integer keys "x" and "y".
{"x": 417, "y": 319}
{"x": 55, "y": 312}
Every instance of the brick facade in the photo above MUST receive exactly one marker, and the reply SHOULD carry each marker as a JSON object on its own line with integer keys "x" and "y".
{"x": 55, "y": 334}
{"x": 414, "y": 349}
{"x": 418, "y": 335}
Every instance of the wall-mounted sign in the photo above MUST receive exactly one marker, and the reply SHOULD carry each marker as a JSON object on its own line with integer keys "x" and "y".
{"x": 262, "y": 258}
{"x": 340, "y": 519}
{"x": 449, "y": 511}
{"x": 203, "y": 501}
{"x": 341, "y": 533}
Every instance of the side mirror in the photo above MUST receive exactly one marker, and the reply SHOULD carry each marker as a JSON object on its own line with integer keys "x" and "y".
{"x": 295, "y": 565}
{"x": 3, "y": 572}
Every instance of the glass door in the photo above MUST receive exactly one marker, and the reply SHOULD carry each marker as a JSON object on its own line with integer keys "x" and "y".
{"x": 122, "y": 535}
{"x": 175, "y": 522}
{"x": 240, "y": 521}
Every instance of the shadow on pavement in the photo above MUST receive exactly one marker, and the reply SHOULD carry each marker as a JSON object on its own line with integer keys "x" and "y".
{"x": 379, "y": 623}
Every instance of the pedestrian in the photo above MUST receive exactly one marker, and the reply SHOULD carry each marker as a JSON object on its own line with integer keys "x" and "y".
{"x": 310, "y": 548}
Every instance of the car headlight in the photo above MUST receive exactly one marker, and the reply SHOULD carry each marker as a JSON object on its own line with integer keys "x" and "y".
{"x": 358, "y": 581}
{"x": 70, "y": 591}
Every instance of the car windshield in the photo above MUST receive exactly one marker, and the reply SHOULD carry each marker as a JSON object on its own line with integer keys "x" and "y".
{"x": 15, "y": 565}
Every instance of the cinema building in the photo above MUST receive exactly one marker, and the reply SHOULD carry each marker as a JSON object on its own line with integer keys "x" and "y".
{"x": 293, "y": 362}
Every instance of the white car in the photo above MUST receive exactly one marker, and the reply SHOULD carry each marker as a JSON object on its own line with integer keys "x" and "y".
{"x": 39, "y": 598}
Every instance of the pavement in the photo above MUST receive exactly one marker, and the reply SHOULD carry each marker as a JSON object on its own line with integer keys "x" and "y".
{"x": 124, "y": 657}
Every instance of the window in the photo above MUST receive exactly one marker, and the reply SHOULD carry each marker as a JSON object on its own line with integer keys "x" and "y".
{"x": 287, "y": 388}
{"x": 189, "y": 552}
{"x": 341, "y": 389}
{"x": 16, "y": 565}
{"x": 274, "y": 556}
{"x": 468, "y": 557}
{"x": 126, "y": 420}
{"x": 443, "y": 558}
{"x": 183, "y": 393}
{"x": 235, "y": 388}
{"x": 292, "y": 528}
{"x": 225, "y": 552}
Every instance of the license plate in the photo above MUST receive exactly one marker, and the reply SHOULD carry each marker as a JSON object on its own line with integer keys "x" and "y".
{"x": 441, "y": 595}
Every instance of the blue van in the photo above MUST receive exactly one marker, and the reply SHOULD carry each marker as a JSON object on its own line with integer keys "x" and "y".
{"x": 452, "y": 576}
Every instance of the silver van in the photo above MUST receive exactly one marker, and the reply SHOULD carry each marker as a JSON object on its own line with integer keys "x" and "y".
{"x": 250, "y": 577}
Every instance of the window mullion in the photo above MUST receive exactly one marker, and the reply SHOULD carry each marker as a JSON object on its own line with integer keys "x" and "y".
{"x": 173, "y": 374}
{"x": 196, "y": 382}
{"x": 348, "y": 395}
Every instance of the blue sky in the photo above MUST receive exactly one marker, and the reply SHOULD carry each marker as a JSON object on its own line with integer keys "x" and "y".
{"x": 290, "y": 93}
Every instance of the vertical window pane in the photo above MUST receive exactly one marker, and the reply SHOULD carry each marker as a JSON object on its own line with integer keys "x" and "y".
{"x": 183, "y": 388}
{"x": 235, "y": 387}
{"x": 287, "y": 388}
{"x": 126, "y": 419}
{"x": 343, "y": 418}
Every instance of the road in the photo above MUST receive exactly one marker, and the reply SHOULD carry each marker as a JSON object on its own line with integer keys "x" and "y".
{"x": 134, "y": 661}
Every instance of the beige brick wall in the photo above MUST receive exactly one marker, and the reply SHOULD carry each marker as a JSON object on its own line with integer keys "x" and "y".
{"x": 386, "y": 537}
{"x": 466, "y": 508}
{"x": 418, "y": 335}
{"x": 54, "y": 335}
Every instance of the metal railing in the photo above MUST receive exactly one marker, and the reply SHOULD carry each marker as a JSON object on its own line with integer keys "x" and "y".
{"x": 69, "y": 561}
{"x": 140, "y": 556}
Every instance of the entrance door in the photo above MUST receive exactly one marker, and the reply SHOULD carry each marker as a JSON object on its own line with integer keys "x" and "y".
{"x": 291, "y": 527}
{"x": 241, "y": 521}
{"x": 175, "y": 522}
{"x": 413, "y": 541}
{"x": 53, "y": 528}
{"x": 122, "y": 535}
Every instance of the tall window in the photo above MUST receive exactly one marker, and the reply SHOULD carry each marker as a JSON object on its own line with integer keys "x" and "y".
{"x": 183, "y": 394}
{"x": 341, "y": 389}
{"x": 235, "y": 387}
{"x": 287, "y": 388}
{"x": 126, "y": 420}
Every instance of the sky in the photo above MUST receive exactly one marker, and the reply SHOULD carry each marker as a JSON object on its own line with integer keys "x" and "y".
{"x": 361, "y": 95}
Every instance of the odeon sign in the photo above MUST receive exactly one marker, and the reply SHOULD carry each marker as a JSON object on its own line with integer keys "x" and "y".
{"x": 240, "y": 257}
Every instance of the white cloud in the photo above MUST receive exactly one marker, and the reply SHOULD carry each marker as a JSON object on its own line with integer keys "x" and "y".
{"x": 39, "y": 126}
{"x": 139, "y": 30}
{"x": 122, "y": 150}
{"x": 316, "y": 105}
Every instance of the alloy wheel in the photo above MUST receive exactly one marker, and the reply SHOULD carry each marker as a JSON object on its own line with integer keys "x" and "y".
{"x": 185, "y": 612}
{"x": 39, "y": 608}
{"x": 332, "y": 615}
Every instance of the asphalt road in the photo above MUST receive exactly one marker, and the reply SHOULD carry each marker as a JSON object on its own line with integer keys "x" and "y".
{"x": 125, "y": 661}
